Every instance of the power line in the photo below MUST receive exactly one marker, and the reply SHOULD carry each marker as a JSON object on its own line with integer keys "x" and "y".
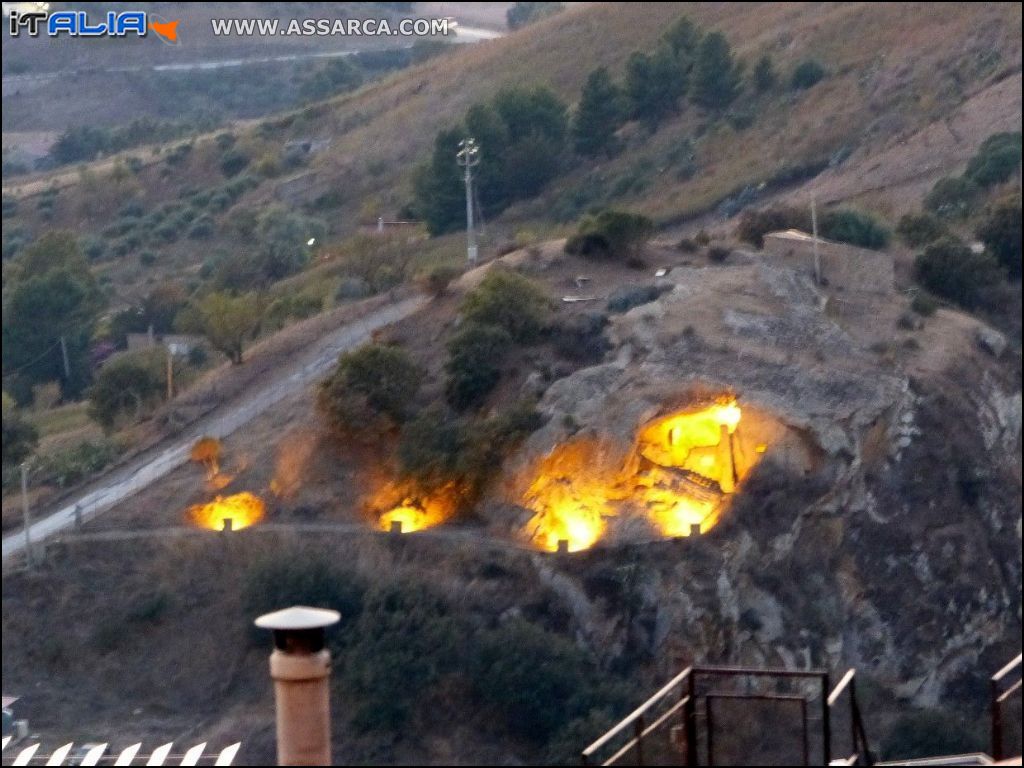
{"x": 30, "y": 363}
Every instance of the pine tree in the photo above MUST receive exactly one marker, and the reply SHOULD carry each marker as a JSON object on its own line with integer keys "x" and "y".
{"x": 716, "y": 76}
{"x": 654, "y": 83}
{"x": 438, "y": 186}
{"x": 683, "y": 37}
{"x": 598, "y": 115}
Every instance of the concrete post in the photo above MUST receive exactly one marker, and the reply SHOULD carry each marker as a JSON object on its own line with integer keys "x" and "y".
{"x": 728, "y": 478}
{"x": 300, "y": 667}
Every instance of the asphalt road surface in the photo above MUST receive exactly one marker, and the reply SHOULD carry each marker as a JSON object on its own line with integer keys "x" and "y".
{"x": 137, "y": 475}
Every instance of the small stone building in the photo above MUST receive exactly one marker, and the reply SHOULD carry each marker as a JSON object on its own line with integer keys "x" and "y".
{"x": 179, "y": 345}
{"x": 843, "y": 267}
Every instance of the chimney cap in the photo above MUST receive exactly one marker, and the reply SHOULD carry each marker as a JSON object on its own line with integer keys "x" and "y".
{"x": 298, "y": 617}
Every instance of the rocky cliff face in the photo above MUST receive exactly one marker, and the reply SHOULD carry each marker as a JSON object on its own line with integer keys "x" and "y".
{"x": 881, "y": 528}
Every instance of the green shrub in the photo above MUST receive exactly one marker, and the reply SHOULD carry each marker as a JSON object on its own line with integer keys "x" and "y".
{"x": 168, "y": 232}
{"x": 225, "y": 141}
{"x": 717, "y": 254}
{"x": 297, "y": 306}
{"x": 687, "y": 245}
{"x": 487, "y": 443}
{"x": 179, "y": 154}
{"x": 376, "y": 381}
{"x": 126, "y": 385}
{"x": 754, "y": 225}
{"x": 521, "y": 14}
{"x": 219, "y": 201}
{"x": 509, "y": 301}
{"x": 122, "y": 226}
{"x": 300, "y": 578}
{"x": 233, "y": 162}
{"x": 202, "y": 228}
{"x": 919, "y": 229}
{"x": 764, "y": 74}
{"x": 610, "y": 234}
{"x": 855, "y": 228}
{"x": 537, "y": 680}
{"x": 200, "y": 199}
{"x": 67, "y": 466}
{"x": 1000, "y": 231}
{"x": 93, "y": 247}
{"x": 436, "y": 280}
{"x": 429, "y": 448}
{"x": 924, "y": 304}
{"x": 997, "y": 159}
{"x": 927, "y": 733}
{"x": 629, "y": 296}
{"x": 740, "y": 119}
{"x": 19, "y": 436}
{"x": 952, "y": 197}
{"x": 474, "y": 361}
{"x": 404, "y": 640}
{"x": 807, "y": 74}
{"x": 950, "y": 269}
{"x": 436, "y": 449}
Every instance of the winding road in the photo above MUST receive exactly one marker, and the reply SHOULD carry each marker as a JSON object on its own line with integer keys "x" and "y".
{"x": 137, "y": 475}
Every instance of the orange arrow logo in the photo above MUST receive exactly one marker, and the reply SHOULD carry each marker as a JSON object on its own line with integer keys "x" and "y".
{"x": 168, "y": 30}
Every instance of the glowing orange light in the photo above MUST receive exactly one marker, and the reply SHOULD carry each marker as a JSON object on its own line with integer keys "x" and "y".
{"x": 411, "y": 517}
{"x": 579, "y": 524}
{"x": 570, "y": 499}
{"x": 242, "y": 509}
{"x": 679, "y": 478}
{"x": 413, "y": 508}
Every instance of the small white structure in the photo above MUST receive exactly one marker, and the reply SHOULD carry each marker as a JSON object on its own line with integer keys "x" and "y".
{"x": 179, "y": 345}
{"x": 843, "y": 267}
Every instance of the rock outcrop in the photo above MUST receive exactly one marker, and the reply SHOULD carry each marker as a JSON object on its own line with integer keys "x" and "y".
{"x": 892, "y": 543}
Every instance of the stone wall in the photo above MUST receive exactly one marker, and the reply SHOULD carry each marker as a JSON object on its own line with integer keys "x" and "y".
{"x": 843, "y": 267}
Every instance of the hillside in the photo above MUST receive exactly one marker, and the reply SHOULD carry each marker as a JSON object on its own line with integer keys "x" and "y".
{"x": 893, "y": 457}
{"x": 657, "y": 425}
{"x": 952, "y": 80}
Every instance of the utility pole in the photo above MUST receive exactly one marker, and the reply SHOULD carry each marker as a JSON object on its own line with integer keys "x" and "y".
{"x": 170, "y": 372}
{"x": 814, "y": 228}
{"x": 468, "y": 157}
{"x": 64, "y": 355}
{"x": 26, "y": 513}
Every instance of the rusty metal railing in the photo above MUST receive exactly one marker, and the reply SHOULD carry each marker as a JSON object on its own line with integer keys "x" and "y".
{"x": 664, "y": 729}
{"x": 998, "y": 696}
{"x": 650, "y": 717}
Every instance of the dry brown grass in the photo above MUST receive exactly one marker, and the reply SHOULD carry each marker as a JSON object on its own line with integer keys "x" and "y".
{"x": 894, "y": 69}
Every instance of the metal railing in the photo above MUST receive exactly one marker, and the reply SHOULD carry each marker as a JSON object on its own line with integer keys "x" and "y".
{"x": 664, "y": 730}
{"x": 998, "y": 696}
{"x": 860, "y": 752}
{"x": 648, "y": 718}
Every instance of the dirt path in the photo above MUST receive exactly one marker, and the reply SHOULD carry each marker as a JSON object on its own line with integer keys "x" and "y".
{"x": 139, "y": 474}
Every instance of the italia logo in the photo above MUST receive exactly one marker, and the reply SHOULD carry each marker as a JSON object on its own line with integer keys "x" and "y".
{"x": 35, "y": 19}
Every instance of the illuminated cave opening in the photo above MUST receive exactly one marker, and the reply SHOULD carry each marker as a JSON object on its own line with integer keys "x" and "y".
{"x": 404, "y": 508}
{"x": 676, "y": 481}
{"x": 234, "y": 512}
